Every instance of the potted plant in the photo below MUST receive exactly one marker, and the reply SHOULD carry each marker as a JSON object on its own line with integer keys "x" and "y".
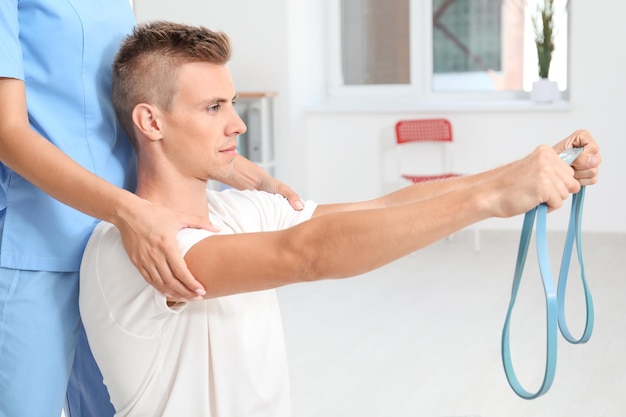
{"x": 544, "y": 90}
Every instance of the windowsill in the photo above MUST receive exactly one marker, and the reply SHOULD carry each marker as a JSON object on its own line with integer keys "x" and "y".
{"x": 439, "y": 106}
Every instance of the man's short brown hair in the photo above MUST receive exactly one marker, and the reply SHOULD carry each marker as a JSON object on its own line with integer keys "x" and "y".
{"x": 146, "y": 66}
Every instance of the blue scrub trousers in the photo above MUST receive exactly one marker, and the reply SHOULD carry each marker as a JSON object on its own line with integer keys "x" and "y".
{"x": 39, "y": 330}
{"x": 87, "y": 395}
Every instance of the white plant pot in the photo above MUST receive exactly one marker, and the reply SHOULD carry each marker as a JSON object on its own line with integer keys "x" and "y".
{"x": 545, "y": 91}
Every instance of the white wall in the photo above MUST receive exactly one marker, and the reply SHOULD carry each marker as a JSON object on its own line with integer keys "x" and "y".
{"x": 336, "y": 156}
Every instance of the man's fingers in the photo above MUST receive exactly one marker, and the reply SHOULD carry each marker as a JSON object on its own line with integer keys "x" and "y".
{"x": 587, "y": 176}
{"x": 558, "y": 179}
{"x": 586, "y": 168}
{"x": 587, "y": 161}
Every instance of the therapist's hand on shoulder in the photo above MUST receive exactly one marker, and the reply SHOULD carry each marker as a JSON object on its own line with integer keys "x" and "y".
{"x": 275, "y": 186}
{"x": 149, "y": 237}
{"x": 246, "y": 175}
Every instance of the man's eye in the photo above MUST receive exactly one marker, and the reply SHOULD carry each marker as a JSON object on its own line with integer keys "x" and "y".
{"x": 214, "y": 107}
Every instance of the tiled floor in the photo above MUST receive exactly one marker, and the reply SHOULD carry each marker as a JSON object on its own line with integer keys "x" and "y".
{"x": 421, "y": 337}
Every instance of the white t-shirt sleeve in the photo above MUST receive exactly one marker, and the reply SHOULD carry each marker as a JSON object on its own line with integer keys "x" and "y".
{"x": 113, "y": 292}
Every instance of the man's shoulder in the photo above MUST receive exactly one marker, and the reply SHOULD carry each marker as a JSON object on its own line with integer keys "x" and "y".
{"x": 105, "y": 241}
{"x": 233, "y": 198}
{"x": 105, "y": 233}
{"x": 256, "y": 211}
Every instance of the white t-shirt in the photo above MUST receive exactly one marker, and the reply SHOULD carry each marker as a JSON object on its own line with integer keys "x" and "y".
{"x": 220, "y": 357}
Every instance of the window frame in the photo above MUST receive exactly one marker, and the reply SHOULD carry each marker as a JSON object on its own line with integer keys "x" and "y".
{"x": 419, "y": 91}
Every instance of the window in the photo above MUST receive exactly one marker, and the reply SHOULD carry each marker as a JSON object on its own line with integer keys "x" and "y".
{"x": 375, "y": 42}
{"x": 461, "y": 48}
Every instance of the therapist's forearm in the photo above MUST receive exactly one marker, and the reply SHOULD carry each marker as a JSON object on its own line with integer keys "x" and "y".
{"x": 47, "y": 167}
{"x": 55, "y": 173}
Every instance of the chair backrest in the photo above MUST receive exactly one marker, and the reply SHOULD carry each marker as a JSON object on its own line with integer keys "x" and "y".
{"x": 418, "y": 141}
{"x": 423, "y": 130}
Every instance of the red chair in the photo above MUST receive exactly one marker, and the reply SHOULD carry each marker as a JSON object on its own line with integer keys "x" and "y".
{"x": 427, "y": 130}
{"x": 417, "y": 131}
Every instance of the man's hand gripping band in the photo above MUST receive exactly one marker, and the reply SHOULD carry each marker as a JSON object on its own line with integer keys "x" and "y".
{"x": 555, "y": 298}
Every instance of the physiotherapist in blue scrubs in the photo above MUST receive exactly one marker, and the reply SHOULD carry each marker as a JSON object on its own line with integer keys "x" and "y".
{"x": 65, "y": 163}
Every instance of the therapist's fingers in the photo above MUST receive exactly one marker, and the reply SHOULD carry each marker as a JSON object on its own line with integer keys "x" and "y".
{"x": 163, "y": 267}
{"x": 179, "y": 282}
{"x": 149, "y": 237}
{"x": 174, "y": 273}
{"x": 273, "y": 185}
{"x": 293, "y": 197}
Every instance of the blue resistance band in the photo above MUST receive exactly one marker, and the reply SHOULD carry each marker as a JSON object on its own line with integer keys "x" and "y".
{"x": 555, "y": 298}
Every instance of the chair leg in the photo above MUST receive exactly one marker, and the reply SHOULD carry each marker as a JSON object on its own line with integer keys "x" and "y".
{"x": 476, "y": 239}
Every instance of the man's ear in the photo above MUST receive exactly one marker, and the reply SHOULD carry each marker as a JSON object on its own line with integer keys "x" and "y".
{"x": 146, "y": 120}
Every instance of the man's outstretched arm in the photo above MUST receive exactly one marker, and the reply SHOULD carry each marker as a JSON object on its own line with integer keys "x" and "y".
{"x": 347, "y": 243}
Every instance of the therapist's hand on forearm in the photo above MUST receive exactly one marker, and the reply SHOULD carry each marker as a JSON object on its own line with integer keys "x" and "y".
{"x": 149, "y": 236}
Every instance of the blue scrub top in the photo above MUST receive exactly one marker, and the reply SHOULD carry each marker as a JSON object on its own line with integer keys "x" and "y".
{"x": 63, "y": 50}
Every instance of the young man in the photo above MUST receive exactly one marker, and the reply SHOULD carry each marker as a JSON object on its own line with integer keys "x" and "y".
{"x": 65, "y": 162}
{"x": 224, "y": 356}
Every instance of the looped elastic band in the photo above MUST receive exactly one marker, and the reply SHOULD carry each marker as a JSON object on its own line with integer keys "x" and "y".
{"x": 555, "y": 299}
{"x": 574, "y": 234}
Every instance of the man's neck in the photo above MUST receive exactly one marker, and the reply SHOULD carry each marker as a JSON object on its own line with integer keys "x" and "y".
{"x": 183, "y": 195}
